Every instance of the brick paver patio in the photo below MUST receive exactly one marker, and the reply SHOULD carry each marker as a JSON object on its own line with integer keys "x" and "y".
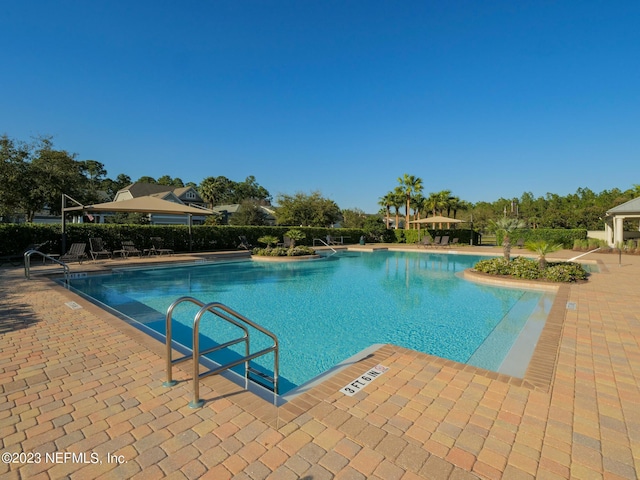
{"x": 82, "y": 397}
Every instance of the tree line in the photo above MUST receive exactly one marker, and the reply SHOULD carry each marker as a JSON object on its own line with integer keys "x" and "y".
{"x": 582, "y": 209}
{"x": 34, "y": 175}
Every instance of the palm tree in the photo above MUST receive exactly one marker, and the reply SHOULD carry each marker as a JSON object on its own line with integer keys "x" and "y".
{"x": 409, "y": 184}
{"x": 418, "y": 204}
{"x": 542, "y": 248}
{"x": 397, "y": 197}
{"x": 505, "y": 227}
{"x": 387, "y": 203}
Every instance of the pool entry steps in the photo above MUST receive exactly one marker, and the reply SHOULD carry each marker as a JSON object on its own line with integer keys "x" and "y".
{"x": 233, "y": 318}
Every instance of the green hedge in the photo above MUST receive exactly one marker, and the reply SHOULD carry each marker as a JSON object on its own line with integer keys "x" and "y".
{"x": 463, "y": 236}
{"x": 566, "y": 237}
{"x": 14, "y": 238}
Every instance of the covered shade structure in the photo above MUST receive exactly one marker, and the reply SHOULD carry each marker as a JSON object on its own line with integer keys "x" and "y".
{"x": 146, "y": 204}
{"x": 438, "y": 219}
{"x": 614, "y": 221}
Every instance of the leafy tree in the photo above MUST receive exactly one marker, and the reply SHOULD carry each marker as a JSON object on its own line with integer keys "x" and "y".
{"x": 170, "y": 182}
{"x": 376, "y": 229}
{"x": 52, "y": 173}
{"x": 306, "y": 210}
{"x": 13, "y": 172}
{"x": 353, "y": 218}
{"x": 111, "y": 187}
{"x": 249, "y": 213}
{"x": 146, "y": 179}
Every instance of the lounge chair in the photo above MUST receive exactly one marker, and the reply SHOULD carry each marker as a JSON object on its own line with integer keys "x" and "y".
{"x": 244, "y": 243}
{"x": 444, "y": 242}
{"x": 455, "y": 241}
{"x": 75, "y": 254}
{"x": 97, "y": 249}
{"x": 436, "y": 241}
{"x": 158, "y": 248}
{"x": 520, "y": 243}
{"x": 128, "y": 249}
{"x": 426, "y": 242}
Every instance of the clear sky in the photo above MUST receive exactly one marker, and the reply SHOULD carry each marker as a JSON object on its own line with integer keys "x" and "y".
{"x": 488, "y": 99}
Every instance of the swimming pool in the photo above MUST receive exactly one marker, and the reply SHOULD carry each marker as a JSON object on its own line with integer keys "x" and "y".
{"x": 327, "y": 310}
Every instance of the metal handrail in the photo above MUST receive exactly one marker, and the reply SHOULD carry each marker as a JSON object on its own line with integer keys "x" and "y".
{"x": 232, "y": 317}
{"x": 326, "y": 244}
{"x": 27, "y": 264}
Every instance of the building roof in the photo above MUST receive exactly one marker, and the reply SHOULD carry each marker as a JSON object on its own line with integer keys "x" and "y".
{"x": 632, "y": 206}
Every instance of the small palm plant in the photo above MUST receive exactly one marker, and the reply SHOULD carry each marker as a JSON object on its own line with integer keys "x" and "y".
{"x": 268, "y": 240}
{"x": 542, "y": 248}
{"x": 505, "y": 227}
{"x": 294, "y": 234}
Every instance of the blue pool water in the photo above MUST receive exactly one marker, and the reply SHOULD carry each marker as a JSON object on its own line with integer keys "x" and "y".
{"x": 327, "y": 310}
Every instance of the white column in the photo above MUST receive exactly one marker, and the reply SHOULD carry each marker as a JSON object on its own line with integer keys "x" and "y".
{"x": 618, "y": 234}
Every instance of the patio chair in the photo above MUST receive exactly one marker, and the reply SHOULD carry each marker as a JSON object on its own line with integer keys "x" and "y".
{"x": 97, "y": 249}
{"x": 75, "y": 254}
{"x": 158, "y": 248}
{"x": 128, "y": 249}
{"x": 444, "y": 242}
{"x": 244, "y": 243}
{"x": 426, "y": 242}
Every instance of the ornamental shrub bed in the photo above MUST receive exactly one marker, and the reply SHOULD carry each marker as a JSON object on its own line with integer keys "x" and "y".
{"x": 526, "y": 268}
{"x": 298, "y": 251}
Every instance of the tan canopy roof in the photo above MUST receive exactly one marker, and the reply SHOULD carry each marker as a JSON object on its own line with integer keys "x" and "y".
{"x": 143, "y": 205}
{"x": 437, "y": 219}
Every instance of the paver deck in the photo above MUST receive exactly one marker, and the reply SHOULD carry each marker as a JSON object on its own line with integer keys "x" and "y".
{"x": 81, "y": 397}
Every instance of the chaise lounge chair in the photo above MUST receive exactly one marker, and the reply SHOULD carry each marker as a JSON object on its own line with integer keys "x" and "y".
{"x": 426, "y": 242}
{"x": 158, "y": 248}
{"x": 75, "y": 254}
{"x": 128, "y": 248}
{"x": 97, "y": 249}
{"x": 444, "y": 242}
{"x": 244, "y": 243}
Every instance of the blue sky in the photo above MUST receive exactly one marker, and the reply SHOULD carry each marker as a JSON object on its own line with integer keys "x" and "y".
{"x": 487, "y": 99}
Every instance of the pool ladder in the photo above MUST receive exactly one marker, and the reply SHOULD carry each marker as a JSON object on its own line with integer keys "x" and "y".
{"x": 234, "y": 318}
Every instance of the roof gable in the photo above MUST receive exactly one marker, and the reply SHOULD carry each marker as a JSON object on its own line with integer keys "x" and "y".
{"x": 632, "y": 206}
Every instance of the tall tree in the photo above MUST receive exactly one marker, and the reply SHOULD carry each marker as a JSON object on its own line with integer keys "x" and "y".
{"x": 387, "y": 203}
{"x": 410, "y": 184}
{"x": 306, "y": 210}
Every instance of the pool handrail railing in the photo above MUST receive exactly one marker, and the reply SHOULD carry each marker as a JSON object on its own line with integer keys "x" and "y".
{"x": 233, "y": 318}
{"x": 27, "y": 264}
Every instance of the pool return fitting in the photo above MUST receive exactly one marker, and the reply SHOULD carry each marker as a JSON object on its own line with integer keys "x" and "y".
{"x": 234, "y": 318}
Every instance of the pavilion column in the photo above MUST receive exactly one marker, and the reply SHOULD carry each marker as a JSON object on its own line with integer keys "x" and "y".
{"x": 618, "y": 233}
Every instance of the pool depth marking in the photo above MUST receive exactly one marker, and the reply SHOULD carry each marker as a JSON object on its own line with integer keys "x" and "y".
{"x": 363, "y": 380}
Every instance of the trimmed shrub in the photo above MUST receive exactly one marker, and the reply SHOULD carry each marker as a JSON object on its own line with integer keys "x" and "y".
{"x": 526, "y": 268}
{"x": 565, "y": 272}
